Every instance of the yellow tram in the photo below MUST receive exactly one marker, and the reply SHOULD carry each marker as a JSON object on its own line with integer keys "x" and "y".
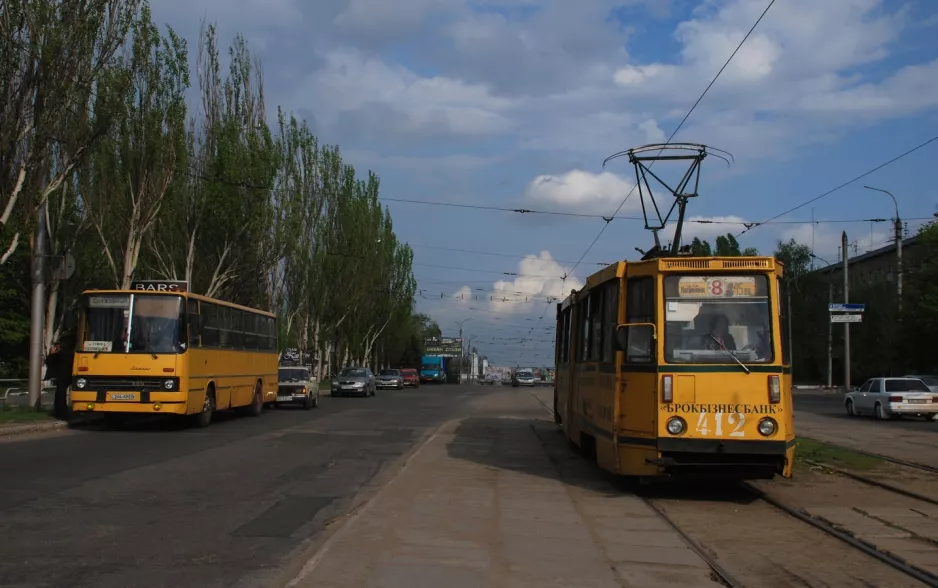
{"x": 678, "y": 366}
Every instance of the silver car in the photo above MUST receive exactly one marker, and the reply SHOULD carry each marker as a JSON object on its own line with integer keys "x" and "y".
{"x": 354, "y": 382}
{"x": 295, "y": 386}
{"x": 390, "y": 379}
{"x": 523, "y": 378}
{"x": 887, "y": 398}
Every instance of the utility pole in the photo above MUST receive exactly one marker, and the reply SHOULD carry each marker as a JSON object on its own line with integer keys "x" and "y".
{"x": 37, "y": 320}
{"x": 830, "y": 335}
{"x": 461, "y": 348}
{"x": 847, "y": 388}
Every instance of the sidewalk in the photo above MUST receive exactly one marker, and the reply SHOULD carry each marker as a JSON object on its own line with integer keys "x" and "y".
{"x": 481, "y": 504}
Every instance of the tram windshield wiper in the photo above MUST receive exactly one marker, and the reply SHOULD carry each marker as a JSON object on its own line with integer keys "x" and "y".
{"x": 730, "y": 353}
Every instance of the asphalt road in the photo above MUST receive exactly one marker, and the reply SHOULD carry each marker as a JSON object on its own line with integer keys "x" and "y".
{"x": 230, "y": 505}
{"x": 831, "y": 405}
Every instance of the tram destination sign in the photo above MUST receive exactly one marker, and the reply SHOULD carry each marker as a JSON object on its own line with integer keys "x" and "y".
{"x": 443, "y": 346}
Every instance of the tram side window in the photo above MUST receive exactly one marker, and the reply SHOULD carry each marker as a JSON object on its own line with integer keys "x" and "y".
{"x": 610, "y": 320}
{"x": 783, "y": 310}
{"x": 596, "y": 325}
{"x": 640, "y": 308}
{"x": 563, "y": 338}
{"x": 583, "y": 327}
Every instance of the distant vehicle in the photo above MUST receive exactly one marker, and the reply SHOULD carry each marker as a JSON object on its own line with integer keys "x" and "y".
{"x": 411, "y": 377}
{"x": 390, "y": 379}
{"x": 888, "y": 398}
{"x": 432, "y": 369}
{"x": 523, "y": 378}
{"x": 930, "y": 381}
{"x": 295, "y": 386}
{"x": 354, "y": 382}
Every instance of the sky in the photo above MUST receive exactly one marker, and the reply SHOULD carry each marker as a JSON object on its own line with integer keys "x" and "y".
{"x": 469, "y": 104}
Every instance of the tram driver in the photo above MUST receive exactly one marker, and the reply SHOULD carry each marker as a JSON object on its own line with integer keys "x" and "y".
{"x": 718, "y": 336}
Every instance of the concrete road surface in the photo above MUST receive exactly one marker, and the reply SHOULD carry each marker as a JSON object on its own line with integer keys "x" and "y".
{"x": 230, "y": 505}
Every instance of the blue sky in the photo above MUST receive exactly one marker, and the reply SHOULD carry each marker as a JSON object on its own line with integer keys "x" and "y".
{"x": 515, "y": 103}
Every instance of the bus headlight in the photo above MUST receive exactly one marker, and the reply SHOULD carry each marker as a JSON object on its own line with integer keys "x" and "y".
{"x": 767, "y": 427}
{"x": 676, "y": 425}
{"x": 80, "y": 383}
{"x": 168, "y": 384}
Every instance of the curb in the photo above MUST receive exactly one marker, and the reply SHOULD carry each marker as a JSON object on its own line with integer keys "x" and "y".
{"x": 22, "y": 429}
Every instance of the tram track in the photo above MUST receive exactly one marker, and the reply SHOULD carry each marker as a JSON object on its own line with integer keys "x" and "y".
{"x": 868, "y": 548}
{"x": 909, "y": 464}
{"x": 691, "y": 518}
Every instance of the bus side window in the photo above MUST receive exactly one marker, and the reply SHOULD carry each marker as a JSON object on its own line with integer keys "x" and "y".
{"x": 640, "y": 308}
{"x": 192, "y": 309}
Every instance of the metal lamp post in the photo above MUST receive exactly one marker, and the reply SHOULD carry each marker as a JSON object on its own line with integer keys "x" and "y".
{"x": 898, "y": 237}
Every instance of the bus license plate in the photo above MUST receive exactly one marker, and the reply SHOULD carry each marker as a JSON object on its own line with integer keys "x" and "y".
{"x": 123, "y": 396}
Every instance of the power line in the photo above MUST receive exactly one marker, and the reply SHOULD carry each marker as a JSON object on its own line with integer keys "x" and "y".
{"x": 466, "y": 269}
{"x": 844, "y": 185}
{"x": 681, "y": 124}
{"x": 627, "y": 218}
{"x": 441, "y": 248}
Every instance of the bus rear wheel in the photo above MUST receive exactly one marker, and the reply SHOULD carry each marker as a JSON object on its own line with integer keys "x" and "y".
{"x": 257, "y": 404}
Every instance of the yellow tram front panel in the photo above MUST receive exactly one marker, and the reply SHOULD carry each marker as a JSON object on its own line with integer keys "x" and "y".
{"x": 697, "y": 379}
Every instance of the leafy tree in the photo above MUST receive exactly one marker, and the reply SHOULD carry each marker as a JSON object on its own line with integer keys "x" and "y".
{"x": 726, "y": 246}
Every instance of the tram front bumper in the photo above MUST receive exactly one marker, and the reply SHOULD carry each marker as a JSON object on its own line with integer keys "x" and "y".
{"x": 748, "y": 458}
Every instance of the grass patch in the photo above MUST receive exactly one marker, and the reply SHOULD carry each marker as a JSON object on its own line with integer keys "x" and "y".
{"x": 836, "y": 456}
{"x": 22, "y": 414}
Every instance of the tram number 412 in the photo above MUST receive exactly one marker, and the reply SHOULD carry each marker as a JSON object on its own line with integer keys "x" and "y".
{"x": 734, "y": 421}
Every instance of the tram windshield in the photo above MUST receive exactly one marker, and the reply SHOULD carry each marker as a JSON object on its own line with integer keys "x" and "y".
{"x": 710, "y": 317}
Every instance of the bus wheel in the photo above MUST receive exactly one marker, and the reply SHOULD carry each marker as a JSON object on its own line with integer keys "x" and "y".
{"x": 204, "y": 416}
{"x": 257, "y": 405}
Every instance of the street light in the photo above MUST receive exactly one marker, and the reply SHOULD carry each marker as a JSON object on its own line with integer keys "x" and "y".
{"x": 461, "y": 349}
{"x": 898, "y": 230}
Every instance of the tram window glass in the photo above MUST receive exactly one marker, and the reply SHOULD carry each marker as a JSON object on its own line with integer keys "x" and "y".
{"x": 640, "y": 308}
{"x": 596, "y": 324}
{"x": 583, "y": 324}
{"x": 783, "y": 308}
{"x": 610, "y": 320}
{"x": 563, "y": 340}
{"x": 707, "y": 317}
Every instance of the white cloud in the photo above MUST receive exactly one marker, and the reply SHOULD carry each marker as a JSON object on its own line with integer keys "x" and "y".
{"x": 372, "y": 16}
{"x": 539, "y": 278}
{"x": 395, "y": 98}
{"x": 582, "y": 191}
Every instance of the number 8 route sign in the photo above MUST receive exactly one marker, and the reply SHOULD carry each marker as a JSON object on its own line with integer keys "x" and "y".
{"x": 717, "y": 287}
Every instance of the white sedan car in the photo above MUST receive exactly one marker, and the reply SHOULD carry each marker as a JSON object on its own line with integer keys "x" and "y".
{"x": 887, "y": 398}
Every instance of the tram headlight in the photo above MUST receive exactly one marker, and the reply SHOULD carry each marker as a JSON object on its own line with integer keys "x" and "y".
{"x": 767, "y": 427}
{"x": 676, "y": 425}
{"x": 80, "y": 383}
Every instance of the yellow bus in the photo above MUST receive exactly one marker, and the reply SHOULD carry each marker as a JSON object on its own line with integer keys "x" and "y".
{"x": 678, "y": 367}
{"x": 159, "y": 349}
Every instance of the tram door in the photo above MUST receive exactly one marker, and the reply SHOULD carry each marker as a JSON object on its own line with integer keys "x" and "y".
{"x": 639, "y": 402}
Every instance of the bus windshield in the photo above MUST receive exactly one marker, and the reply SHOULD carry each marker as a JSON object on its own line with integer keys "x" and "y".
{"x": 133, "y": 323}
{"x": 708, "y": 318}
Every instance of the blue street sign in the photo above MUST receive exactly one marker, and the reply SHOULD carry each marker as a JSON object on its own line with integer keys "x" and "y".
{"x": 846, "y": 307}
